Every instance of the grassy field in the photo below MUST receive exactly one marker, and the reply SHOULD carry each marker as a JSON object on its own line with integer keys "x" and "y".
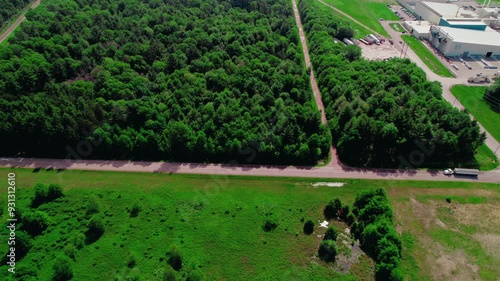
{"x": 443, "y": 239}
{"x": 216, "y": 223}
{"x": 359, "y": 31}
{"x": 486, "y": 159}
{"x": 471, "y": 97}
{"x": 396, "y": 26}
{"x": 426, "y": 56}
{"x": 367, "y": 12}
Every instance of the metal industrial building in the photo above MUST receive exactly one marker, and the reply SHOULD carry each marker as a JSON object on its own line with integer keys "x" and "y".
{"x": 457, "y": 31}
{"x": 465, "y": 42}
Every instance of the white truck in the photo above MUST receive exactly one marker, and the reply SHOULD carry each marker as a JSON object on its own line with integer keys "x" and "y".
{"x": 461, "y": 172}
{"x": 479, "y": 78}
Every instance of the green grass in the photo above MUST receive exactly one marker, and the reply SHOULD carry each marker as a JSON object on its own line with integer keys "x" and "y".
{"x": 396, "y": 26}
{"x": 366, "y": 12}
{"x": 359, "y": 31}
{"x": 426, "y": 56}
{"x": 486, "y": 159}
{"x": 216, "y": 222}
{"x": 471, "y": 97}
{"x": 457, "y": 198}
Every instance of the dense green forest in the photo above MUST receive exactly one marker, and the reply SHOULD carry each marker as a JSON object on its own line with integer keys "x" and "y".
{"x": 384, "y": 113}
{"x": 173, "y": 80}
{"x": 10, "y": 8}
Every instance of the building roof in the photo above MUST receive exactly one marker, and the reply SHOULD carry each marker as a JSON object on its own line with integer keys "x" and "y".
{"x": 466, "y": 23}
{"x": 478, "y": 37}
{"x": 421, "y": 27}
{"x": 445, "y": 10}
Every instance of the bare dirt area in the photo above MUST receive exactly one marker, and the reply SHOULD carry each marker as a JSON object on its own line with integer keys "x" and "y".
{"x": 449, "y": 240}
{"x": 379, "y": 52}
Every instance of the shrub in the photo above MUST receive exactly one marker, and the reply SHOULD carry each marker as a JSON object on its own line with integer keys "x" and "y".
{"x": 308, "y": 227}
{"x": 40, "y": 195}
{"x": 78, "y": 240}
{"x": 332, "y": 208}
{"x": 343, "y": 212}
{"x": 269, "y": 225}
{"x": 92, "y": 206}
{"x": 35, "y": 222}
{"x": 331, "y": 234}
{"x": 175, "y": 259}
{"x": 70, "y": 251}
{"x": 134, "y": 275}
{"x": 23, "y": 244}
{"x": 448, "y": 200}
{"x": 196, "y": 275}
{"x": 95, "y": 231}
{"x": 55, "y": 191}
{"x": 131, "y": 261}
{"x": 25, "y": 271}
{"x": 327, "y": 250}
{"x": 62, "y": 269}
{"x": 350, "y": 219}
{"x": 169, "y": 274}
{"x": 135, "y": 210}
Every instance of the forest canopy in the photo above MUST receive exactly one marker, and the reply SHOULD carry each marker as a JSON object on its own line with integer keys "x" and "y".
{"x": 172, "y": 80}
{"x": 383, "y": 113}
{"x": 10, "y": 8}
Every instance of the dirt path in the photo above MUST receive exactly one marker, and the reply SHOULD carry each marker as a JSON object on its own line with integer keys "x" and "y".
{"x": 19, "y": 20}
{"x": 317, "y": 95}
{"x": 351, "y": 18}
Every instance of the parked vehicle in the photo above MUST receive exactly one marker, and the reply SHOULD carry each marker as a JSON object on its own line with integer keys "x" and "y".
{"x": 479, "y": 78}
{"x": 448, "y": 172}
{"x": 461, "y": 172}
{"x": 466, "y": 172}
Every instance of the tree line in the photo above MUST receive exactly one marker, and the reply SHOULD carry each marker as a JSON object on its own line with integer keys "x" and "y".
{"x": 201, "y": 81}
{"x": 11, "y": 8}
{"x": 383, "y": 113}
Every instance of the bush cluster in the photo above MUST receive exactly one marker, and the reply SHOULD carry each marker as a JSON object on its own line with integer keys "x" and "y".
{"x": 44, "y": 194}
{"x": 379, "y": 239}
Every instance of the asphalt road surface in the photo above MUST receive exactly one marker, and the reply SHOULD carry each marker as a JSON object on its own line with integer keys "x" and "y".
{"x": 246, "y": 170}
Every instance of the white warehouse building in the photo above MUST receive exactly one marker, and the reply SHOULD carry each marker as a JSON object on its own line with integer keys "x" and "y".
{"x": 465, "y": 42}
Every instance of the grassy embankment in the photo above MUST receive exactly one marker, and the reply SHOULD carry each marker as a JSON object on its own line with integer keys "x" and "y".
{"x": 426, "y": 56}
{"x": 367, "y": 12}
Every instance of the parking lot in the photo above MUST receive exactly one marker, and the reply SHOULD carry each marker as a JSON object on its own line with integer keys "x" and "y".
{"x": 402, "y": 13}
{"x": 379, "y": 52}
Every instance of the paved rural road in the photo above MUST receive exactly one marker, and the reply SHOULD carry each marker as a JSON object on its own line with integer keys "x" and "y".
{"x": 19, "y": 20}
{"x": 331, "y": 171}
{"x": 247, "y": 170}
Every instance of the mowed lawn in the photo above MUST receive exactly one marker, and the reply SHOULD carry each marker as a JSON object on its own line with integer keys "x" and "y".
{"x": 426, "y": 56}
{"x": 216, "y": 223}
{"x": 471, "y": 97}
{"x": 367, "y": 12}
{"x": 396, "y": 26}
